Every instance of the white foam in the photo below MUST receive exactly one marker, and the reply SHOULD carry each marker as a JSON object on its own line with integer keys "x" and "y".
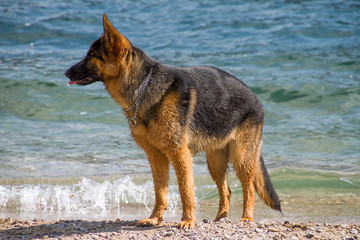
{"x": 87, "y": 197}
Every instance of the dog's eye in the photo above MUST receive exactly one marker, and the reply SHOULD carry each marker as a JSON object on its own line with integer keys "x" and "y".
{"x": 92, "y": 55}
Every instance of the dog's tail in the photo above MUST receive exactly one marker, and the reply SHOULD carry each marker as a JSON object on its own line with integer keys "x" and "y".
{"x": 264, "y": 187}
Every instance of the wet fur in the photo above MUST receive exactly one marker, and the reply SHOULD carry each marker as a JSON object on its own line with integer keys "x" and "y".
{"x": 184, "y": 111}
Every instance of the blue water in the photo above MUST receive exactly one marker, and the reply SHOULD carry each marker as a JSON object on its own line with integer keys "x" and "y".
{"x": 66, "y": 151}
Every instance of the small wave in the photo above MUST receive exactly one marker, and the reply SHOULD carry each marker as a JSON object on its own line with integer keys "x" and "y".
{"x": 284, "y": 95}
{"x": 85, "y": 197}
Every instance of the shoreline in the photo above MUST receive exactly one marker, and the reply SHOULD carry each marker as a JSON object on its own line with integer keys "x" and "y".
{"x": 11, "y": 228}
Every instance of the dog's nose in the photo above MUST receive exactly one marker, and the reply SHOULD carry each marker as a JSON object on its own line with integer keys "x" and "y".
{"x": 68, "y": 73}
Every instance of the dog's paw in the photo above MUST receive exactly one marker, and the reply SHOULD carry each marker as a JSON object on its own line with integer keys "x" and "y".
{"x": 246, "y": 220}
{"x": 187, "y": 224}
{"x": 148, "y": 222}
{"x": 220, "y": 216}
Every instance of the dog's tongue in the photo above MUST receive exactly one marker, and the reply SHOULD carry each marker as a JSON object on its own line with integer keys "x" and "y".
{"x": 72, "y": 82}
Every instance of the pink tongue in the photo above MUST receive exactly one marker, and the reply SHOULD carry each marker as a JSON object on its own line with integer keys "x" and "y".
{"x": 72, "y": 82}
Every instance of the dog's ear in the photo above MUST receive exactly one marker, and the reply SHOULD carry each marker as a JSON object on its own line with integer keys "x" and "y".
{"x": 115, "y": 42}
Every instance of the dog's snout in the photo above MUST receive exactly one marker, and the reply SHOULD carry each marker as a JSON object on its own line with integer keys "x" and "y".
{"x": 68, "y": 73}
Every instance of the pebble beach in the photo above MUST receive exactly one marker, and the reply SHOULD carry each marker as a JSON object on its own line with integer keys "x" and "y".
{"x": 11, "y": 228}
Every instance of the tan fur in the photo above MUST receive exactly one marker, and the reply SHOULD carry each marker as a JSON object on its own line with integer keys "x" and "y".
{"x": 244, "y": 154}
{"x": 243, "y": 147}
{"x": 217, "y": 160}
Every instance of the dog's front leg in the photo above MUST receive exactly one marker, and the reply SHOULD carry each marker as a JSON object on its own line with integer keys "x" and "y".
{"x": 182, "y": 163}
{"x": 160, "y": 170}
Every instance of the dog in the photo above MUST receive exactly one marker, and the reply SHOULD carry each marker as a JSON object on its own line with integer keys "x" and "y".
{"x": 174, "y": 113}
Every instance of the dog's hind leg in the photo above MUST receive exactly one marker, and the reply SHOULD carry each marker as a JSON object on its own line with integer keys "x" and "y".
{"x": 245, "y": 152}
{"x": 160, "y": 171}
{"x": 218, "y": 164}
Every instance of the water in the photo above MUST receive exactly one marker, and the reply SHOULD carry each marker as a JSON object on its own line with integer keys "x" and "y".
{"x": 66, "y": 152}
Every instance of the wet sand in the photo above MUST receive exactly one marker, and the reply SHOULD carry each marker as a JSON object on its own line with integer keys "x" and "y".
{"x": 11, "y": 228}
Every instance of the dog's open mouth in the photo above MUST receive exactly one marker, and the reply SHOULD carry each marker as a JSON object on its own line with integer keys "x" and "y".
{"x": 85, "y": 81}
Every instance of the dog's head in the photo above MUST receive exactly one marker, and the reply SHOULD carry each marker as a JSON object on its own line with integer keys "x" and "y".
{"x": 109, "y": 58}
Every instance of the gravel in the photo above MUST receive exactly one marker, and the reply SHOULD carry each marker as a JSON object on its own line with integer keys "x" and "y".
{"x": 11, "y": 228}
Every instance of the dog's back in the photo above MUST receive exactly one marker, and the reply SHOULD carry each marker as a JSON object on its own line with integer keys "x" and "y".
{"x": 223, "y": 101}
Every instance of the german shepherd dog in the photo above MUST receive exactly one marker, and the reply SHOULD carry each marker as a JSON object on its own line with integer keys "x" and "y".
{"x": 174, "y": 113}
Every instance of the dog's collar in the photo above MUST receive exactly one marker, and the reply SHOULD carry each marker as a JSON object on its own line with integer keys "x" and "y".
{"x": 136, "y": 104}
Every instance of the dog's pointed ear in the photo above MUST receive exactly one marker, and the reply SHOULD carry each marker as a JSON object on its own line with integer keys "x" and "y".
{"x": 115, "y": 42}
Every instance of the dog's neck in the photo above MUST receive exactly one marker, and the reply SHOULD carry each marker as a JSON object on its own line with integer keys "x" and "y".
{"x": 140, "y": 96}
